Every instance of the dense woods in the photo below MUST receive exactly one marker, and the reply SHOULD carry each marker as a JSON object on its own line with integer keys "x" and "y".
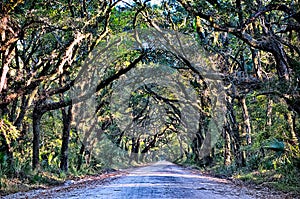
{"x": 60, "y": 112}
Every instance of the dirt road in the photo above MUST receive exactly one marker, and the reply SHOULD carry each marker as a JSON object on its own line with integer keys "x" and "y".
{"x": 160, "y": 180}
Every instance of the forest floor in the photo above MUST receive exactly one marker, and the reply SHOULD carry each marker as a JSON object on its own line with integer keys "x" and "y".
{"x": 160, "y": 180}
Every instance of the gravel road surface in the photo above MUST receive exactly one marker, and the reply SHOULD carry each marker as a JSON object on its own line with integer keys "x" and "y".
{"x": 160, "y": 180}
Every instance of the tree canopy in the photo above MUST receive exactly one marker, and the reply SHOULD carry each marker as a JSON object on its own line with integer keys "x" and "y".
{"x": 91, "y": 84}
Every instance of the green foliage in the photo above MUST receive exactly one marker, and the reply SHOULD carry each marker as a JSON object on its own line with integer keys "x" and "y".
{"x": 45, "y": 32}
{"x": 8, "y": 131}
{"x": 121, "y": 20}
{"x": 276, "y": 145}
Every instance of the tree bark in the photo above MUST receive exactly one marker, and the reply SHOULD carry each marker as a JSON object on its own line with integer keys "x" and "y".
{"x": 80, "y": 156}
{"x": 281, "y": 60}
{"x": 269, "y": 113}
{"x": 18, "y": 121}
{"x": 67, "y": 118}
{"x": 36, "y": 122}
{"x": 246, "y": 117}
{"x": 257, "y": 64}
{"x": 234, "y": 133}
{"x": 293, "y": 136}
{"x": 135, "y": 150}
{"x": 227, "y": 146}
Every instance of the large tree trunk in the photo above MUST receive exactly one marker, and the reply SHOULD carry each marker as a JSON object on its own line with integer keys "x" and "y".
{"x": 246, "y": 118}
{"x": 257, "y": 63}
{"x": 277, "y": 49}
{"x": 227, "y": 145}
{"x": 246, "y": 129}
{"x": 18, "y": 121}
{"x": 234, "y": 132}
{"x": 26, "y": 101}
{"x": 135, "y": 150}
{"x": 80, "y": 157}
{"x": 196, "y": 145}
{"x": 67, "y": 118}
{"x": 199, "y": 138}
{"x": 36, "y": 122}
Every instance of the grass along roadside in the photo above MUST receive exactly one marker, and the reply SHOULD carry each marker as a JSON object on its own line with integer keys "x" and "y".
{"x": 34, "y": 180}
{"x": 275, "y": 180}
{"x": 50, "y": 178}
{"x": 280, "y": 180}
{"x": 47, "y": 180}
